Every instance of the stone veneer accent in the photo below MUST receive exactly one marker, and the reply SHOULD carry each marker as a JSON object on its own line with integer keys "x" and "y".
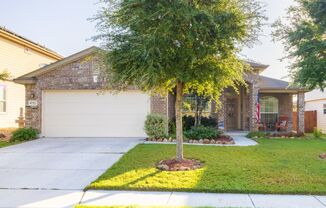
{"x": 300, "y": 111}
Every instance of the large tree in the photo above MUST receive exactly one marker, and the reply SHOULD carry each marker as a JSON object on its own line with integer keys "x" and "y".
{"x": 303, "y": 33}
{"x": 186, "y": 45}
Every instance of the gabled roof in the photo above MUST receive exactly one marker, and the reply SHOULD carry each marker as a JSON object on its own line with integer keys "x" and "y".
{"x": 9, "y": 35}
{"x": 267, "y": 84}
{"x": 30, "y": 77}
{"x": 258, "y": 66}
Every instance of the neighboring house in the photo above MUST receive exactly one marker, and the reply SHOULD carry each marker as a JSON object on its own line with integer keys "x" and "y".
{"x": 67, "y": 100}
{"x": 316, "y": 101}
{"x": 18, "y": 56}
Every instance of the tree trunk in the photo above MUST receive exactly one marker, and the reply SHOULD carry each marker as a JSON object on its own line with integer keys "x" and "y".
{"x": 178, "y": 120}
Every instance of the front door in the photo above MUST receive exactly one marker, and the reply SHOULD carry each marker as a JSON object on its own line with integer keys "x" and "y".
{"x": 231, "y": 114}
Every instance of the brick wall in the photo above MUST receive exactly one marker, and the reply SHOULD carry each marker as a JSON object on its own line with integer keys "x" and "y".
{"x": 78, "y": 75}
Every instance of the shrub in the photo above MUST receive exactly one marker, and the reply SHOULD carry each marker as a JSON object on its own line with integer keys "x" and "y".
{"x": 24, "y": 134}
{"x": 202, "y": 132}
{"x": 172, "y": 127}
{"x": 256, "y": 134}
{"x": 156, "y": 126}
{"x": 317, "y": 133}
{"x": 189, "y": 122}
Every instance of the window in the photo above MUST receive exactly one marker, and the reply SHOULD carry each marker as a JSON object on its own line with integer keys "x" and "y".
{"x": 269, "y": 110}
{"x": 189, "y": 104}
{"x": 2, "y": 98}
{"x": 324, "y": 109}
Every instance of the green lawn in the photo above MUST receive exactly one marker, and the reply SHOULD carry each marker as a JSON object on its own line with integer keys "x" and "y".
{"x": 275, "y": 166}
{"x": 5, "y": 143}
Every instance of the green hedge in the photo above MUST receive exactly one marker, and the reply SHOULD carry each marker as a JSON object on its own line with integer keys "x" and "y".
{"x": 24, "y": 134}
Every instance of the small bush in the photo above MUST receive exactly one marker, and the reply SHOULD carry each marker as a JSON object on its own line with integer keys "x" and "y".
{"x": 256, "y": 134}
{"x": 189, "y": 122}
{"x": 24, "y": 134}
{"x": 172, "y": 127}
{"x": 156, "y": 126}
{"x": 202, "y": 132}
{"x": 317, "y": 133}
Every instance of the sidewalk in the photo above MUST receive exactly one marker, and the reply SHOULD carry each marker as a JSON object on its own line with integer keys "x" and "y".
{"x": 201, "y": 199}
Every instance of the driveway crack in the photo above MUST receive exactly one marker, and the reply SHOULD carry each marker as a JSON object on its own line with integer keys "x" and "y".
{"x": 252, "y": 201}
{"x": 320, "y": 201}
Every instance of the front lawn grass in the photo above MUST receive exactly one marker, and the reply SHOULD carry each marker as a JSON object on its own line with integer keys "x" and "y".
{"x": 5, "y": 143}
{"x": 275, "y": 166}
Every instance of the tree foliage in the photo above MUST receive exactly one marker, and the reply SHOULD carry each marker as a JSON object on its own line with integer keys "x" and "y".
{"x": 154, "y": 43}
{"x": 304, "y": 37}
{"x": 4, "y": 75}
{"x": 190, "y": 45}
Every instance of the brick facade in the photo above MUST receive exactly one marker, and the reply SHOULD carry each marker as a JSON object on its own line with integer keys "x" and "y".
{"x": 86, "y": 74}
{"x": 83, "y": 74}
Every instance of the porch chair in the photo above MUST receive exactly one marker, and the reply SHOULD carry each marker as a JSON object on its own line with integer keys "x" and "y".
{"x": 282, "y": 124}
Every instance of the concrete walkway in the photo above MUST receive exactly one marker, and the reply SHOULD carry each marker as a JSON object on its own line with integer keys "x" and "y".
{"x": 52, "y": 172}
{"x": 202, "y": 199}
{"x": 240, "y": 138}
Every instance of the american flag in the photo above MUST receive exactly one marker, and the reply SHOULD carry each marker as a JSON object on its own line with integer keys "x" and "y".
{"x": 258, "y": 110}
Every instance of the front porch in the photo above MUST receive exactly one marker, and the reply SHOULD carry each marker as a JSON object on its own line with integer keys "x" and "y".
{"x": 239, "y": 109}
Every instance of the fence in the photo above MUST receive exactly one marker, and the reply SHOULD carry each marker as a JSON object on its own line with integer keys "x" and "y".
{"x": 310, "y": 121}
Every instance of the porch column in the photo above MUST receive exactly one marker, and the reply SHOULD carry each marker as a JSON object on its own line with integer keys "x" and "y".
{"x": 253, "y": 93}
{"x": 221, "y": 113}
{"x": 300, "y": 112}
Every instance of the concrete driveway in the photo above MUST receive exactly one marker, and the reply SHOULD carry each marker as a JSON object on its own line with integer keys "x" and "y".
{"x": 52, "y": 172}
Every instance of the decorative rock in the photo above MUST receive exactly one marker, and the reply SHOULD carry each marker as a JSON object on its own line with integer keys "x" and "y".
{"x": 174, "y": 140}
{"x": 2, "y": 135}
{"x": 201, "y": 141}
{"x": 184, "y": 168}
{"x": 163, "y": 167}
{"x": 170, "y": 139}
{"x": 165, "y": 140}
{"x": 212, "y": 141}
{"x": 195, "y": 141}
{"x": 206, "y": 141}
{"x": 322, "y": 156}
{"x": 159, "y": 140}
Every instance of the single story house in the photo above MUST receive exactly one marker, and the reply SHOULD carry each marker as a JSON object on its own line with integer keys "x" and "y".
{"x": 66, "y": 99}
{"x": 316, "y": 101}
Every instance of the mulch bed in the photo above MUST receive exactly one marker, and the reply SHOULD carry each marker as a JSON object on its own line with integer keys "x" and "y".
{"x": 323, "y": 156}
{"x": 223, "y": 139}
{"x": 5, "y": 133}
{"x": 184, "y": 165}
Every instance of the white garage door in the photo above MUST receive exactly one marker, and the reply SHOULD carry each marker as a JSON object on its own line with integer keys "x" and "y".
{"x": 89, "y": 114}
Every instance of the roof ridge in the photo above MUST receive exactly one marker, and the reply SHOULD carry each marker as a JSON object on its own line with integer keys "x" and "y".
{"x": 17, "y": 36}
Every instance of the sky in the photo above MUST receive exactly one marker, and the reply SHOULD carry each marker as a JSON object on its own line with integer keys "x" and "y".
{"x": 64, "y": 26}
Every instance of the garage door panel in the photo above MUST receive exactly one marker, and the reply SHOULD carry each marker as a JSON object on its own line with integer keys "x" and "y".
{"x": 86, "y": 114}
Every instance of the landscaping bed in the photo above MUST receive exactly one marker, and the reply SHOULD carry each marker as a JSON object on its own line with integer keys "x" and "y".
{"x": 223, "y": 139}
{"x": 276, "y": 166}
{"x": 6, "y": 133}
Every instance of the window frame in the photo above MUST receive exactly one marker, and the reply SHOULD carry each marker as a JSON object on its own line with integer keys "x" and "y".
{"x": 276, "y": 113}
{"x": 4, "y": 99}
{"x": 192, "y": 98}
{"x": 324, "y": 109}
